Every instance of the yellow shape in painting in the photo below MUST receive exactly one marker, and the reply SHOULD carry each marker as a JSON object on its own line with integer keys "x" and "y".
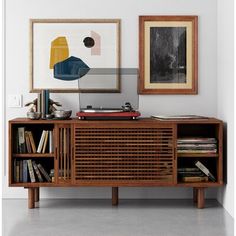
{"x": 59, "y": 51}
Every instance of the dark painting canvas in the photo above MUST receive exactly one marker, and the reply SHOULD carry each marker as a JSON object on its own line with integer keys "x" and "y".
{"x": 168, "y": 54}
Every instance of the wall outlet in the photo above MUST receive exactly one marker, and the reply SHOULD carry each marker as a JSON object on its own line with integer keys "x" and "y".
{"x": 15, "y": 100}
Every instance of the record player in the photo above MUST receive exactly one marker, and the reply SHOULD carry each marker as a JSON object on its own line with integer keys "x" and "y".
{"x": 123, "y": 105}
{"x": 125, "y": 112}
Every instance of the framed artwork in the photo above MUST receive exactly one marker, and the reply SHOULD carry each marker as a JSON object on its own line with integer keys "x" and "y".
{"x": 75, "y": 55}
{"x": 168, "y": 54}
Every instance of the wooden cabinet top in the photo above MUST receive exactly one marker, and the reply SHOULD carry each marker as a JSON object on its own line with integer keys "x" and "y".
{"x": 209, "y": 120}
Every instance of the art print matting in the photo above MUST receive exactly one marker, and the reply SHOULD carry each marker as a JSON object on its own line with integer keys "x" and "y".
{"x": 75, "y": 55}
{"x": 168, "y": 54}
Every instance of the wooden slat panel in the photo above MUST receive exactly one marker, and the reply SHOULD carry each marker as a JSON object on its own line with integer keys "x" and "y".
{"x": 133, "y": 153}
{"x": 64, "y": 162}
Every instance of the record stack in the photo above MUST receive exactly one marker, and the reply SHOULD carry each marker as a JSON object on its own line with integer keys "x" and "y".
{"x": 193, "y": 174}
{"x": 197, "y": 145}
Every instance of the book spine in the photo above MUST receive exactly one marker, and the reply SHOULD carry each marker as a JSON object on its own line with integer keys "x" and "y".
{"x": 21, "y": 140}
{"x": 205, "y": 170}
{"x": 39, "y": 99}
{"x": 25, "y": 171}
{"x": 45, "y": 174}
{"x": 43, "y": 108}
{"x": 31, "y": 138}
{"x": 16, "y": 142}
{"x": 17, "y": 171}
{"x": 31, "y": 171}
{"x": 195, "y": 179}
{"x": 45, "y": 141}
{"x": 27, "y": 140}
{"x": 21, "y": 171}
{"x": 46, "y": 101}
{"x": 14, "y": 164}
{"x": 50, "y": 141}
{"x": 37, "y": 171}
{"x": 40, "y": 146}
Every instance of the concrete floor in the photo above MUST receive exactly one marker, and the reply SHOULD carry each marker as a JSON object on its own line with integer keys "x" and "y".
{"x": 131, "y": 217}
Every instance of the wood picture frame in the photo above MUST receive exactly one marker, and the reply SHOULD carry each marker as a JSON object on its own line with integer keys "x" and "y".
{"x": 168, "y": 54}
{"x": 75, "y": 55}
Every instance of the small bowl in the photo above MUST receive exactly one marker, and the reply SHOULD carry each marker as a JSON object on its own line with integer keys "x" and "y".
{"x": 34, "y": 115}
{"x": 61, "y": 114}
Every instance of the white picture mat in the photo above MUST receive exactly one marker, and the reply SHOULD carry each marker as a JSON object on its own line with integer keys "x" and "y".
{"x": 45, "y": 33}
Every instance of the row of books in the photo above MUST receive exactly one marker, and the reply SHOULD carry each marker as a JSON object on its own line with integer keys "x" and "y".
{"x": 197, "y": 145}
{"x": 26, "y": 142}
{"x": 200, "y": 173}
{"x": 29, "y": 171}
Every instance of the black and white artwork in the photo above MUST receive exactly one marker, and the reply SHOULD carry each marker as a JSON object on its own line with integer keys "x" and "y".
{"x": 168, "y": 55}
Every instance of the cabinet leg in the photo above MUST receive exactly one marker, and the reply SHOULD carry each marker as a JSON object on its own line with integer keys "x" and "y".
{"x": 36, "y": 194}
{"x": 200, "y": 198}
{"x": 114, "y": 196}
{"x": 31, "y": 195}
{"x": 194, "y": 195}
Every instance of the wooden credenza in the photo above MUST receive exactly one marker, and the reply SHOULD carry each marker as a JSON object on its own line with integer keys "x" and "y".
{"x": 116, "y": 153}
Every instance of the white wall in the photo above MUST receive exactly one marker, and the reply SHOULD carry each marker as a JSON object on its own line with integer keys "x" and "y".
{"x": 225, "y": 101}
{"x": 18, "y": 13}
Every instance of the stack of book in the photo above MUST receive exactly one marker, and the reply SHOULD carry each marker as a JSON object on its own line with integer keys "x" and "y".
{"x": 200, "y": 173}
{"x": 26, "y": 143}
{"x": 191, "y": 175}
{"x": 197, "y": 145}
{"x": 29, "y": 171}
{"x": 45, "y": 140}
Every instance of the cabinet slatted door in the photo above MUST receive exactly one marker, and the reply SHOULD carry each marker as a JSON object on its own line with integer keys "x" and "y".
{"x": 123, "y": 155}
{"x": 64, "y": 154}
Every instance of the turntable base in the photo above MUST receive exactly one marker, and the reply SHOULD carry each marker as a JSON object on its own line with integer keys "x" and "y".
{"x": 108, "y": 115}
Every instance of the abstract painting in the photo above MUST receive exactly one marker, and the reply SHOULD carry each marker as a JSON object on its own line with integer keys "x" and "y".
{"x": 75, "y": 55}
{"x": 168, "y": 54}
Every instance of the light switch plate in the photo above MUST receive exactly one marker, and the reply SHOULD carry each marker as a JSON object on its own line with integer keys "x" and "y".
{"x": 15, "y": 100}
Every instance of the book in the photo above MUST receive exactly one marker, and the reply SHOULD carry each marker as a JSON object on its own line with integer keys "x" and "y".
{"x": 21, "y": 171}
{"x": 188, "y": 169}
{"x": 31, "y": 171}
{"x": 21, "y": 139}
{"x": 27, "y": 140}
{"x": 14, "y": 165}
{"x": 31, "y": 138}
{"x": 39, "y": 102}
{"x": 190, "y": 179}
{"x": 51, "y": 141}
{"x": 196, "y": 140}
{"x": 205, "y": 170}
{"x": 17, "y": 171}
{"x": 190, "y": 172}
{"x": 25, "y": 171}
{"x": 197, "y": 151}
{"x": 37, "y": 171}
{"x": 45, "y": 142}
{"x": 16, "y": 142}
{"x": 197, "y": 146}
{"x": 43, "y": 109}
{"x": 45, "y": 174}
{"x": 40, "y": 146}
{"x": 46, "y": 101}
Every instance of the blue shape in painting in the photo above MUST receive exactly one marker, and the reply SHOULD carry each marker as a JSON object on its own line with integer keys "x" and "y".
{"x": 71, "y": 68}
